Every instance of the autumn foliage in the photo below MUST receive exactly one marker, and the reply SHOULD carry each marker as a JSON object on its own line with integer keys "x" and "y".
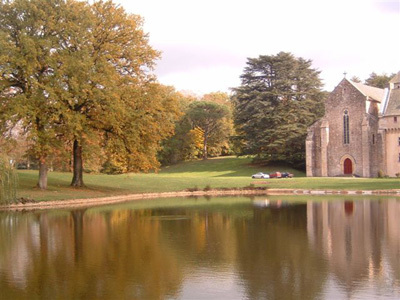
{"x": 76, "y": 77}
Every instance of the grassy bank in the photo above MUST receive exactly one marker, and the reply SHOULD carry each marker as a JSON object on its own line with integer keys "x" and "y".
{"x": 229, "y": 172}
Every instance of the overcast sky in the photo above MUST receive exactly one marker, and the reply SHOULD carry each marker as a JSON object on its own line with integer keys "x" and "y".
{"x": 205, "y": 44}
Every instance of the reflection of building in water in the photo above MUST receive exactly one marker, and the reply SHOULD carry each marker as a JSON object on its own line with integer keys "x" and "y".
{"x": 360, "y": 239}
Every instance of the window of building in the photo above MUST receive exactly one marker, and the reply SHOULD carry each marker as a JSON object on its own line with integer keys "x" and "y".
{"x": 399, "y": 141}
{"x": 395, "y": 119}
{"x": 346, "y": 132}
{"x": 373, "y": 139}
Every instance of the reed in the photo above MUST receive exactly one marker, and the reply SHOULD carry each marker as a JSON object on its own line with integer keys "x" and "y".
{"x": 8, "y": 182}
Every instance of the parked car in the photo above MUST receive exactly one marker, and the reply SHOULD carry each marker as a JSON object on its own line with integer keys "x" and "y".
{"x": 260, "y": 175}
{"x": 275, "y": 175}
{"x": 286, "y": 175}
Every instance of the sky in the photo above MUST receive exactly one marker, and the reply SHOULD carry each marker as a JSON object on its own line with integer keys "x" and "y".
{"x": 205, "y": 44}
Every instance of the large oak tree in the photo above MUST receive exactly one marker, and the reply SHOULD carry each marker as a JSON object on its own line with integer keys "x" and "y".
{"x": 78, "y": 74}
{"x": 29, "y": 59}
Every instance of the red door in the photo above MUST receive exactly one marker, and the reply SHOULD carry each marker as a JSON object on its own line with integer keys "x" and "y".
{"x": 348, "y": 166}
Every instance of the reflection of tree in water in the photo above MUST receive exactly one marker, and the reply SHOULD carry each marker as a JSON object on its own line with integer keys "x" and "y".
{"x": 86, "y": 256}
{"x": 274, "y": 258}
{"x": 124, "y": 246}
{"x": 204, "y": 238}
{"x": 77, "y": 217}
{"x": 280, "y": 252}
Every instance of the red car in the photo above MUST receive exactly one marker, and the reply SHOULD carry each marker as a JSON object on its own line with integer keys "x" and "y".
{"x": 275, "y": 175}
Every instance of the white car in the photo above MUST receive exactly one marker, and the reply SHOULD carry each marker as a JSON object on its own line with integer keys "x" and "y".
{"x": 260, "y": 175}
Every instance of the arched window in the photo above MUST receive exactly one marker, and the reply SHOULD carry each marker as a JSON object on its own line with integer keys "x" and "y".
{"x": 346, "y": 133}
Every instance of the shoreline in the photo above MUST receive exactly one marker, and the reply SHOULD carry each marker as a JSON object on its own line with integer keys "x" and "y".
{"x": 90, "y": 202}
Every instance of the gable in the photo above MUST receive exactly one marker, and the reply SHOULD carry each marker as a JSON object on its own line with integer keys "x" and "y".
{"x": 372, "y": 93}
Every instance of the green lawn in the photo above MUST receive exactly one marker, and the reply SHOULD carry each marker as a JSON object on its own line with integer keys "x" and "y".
{"x": 227, "y": 172}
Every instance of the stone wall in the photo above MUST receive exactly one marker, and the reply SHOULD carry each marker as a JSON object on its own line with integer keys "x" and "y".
{"x": 345, "y": 97}
{"x": 327, "y": 150}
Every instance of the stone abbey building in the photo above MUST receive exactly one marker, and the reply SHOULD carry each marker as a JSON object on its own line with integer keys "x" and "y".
{"x": 359, "y": 133}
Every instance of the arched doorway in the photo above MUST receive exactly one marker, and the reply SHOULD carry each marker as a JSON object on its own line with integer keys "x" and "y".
{"x": 348, "y": 166}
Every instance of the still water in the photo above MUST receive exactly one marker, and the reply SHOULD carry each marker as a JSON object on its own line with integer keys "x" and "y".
{"x": 205, "y": 248}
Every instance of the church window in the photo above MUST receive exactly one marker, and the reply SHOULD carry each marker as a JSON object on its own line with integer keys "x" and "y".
{"x": 346, "y": 133}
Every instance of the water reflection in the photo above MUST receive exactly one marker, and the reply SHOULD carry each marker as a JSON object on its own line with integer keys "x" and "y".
{"x": 360, "y": 241}
{"x": 230, "y": 248}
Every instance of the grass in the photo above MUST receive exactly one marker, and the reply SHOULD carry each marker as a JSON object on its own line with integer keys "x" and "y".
{"x": 227, "y": 172}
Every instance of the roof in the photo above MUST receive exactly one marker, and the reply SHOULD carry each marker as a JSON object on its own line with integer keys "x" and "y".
{"x": 396, "y": 78}
{"x": 374, "y": 93}
{"x": 393, "y": 106}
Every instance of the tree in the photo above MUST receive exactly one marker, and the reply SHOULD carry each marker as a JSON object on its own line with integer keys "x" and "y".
{"x": 209, "y": 117}
{"x": 280, "y": 96}
{"x": 105, "y": 89}
{"x": 149, "y": 120}
{"x": 355, "y": 79}
{"x": 183, "y": 145}
{"x": 379, "y": 81}
{"x": 29, "y": 52}
{"x": 222, "y": 145}
{"x": 78, "y": 73}
{"x": 188, "y": 141}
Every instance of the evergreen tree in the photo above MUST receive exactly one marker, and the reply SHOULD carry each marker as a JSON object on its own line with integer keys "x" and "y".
{"x": 280, "y": 96}
{"x": 379, "y": 81}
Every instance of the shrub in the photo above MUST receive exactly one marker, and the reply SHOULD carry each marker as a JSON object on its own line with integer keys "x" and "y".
{"x": 207, "y": 188}
{"x": 381, "y": 174}
{"x": 8, "y": 183}
{"x": 397, "y": 175}
{"x": 195, "y": 189}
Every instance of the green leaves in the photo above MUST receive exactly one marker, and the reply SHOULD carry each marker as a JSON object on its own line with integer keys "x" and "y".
{"x": 74, "y": 71}
{"x": 8, "y": 182}
{"x": 210, "y": 117}
{"x": 279, "y": 98}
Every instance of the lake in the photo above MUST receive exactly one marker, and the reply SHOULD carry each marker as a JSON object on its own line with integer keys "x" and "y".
{"x": 282, "y": 247}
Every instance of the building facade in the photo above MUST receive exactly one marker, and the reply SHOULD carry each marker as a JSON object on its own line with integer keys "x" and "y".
{"x": 359, "y": 133}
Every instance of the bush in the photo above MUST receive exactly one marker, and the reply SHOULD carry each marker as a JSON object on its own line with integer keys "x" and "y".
{"x": 381, "y": 174}
{"x": 8, "y": 183}
{"x": 195, "y": 189}
{"x": 397, "y": 175}
{"x": 207, "y": 188}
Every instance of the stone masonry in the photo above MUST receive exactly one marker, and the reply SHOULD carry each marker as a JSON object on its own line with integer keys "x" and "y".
{"x": 359, "y": 133}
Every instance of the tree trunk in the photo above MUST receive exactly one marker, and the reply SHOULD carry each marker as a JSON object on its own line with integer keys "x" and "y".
{"x": 77, "y": 179}
{"x": 42, "y": 184}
